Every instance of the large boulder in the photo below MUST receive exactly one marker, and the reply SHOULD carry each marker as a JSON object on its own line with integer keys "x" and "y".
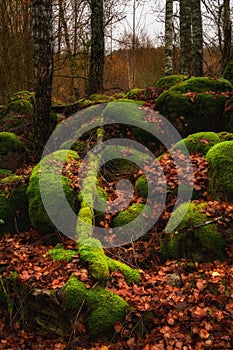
{"x": 13, "y": 204}
{"x": 220, "y": 162}
{"x": 193, "y": 238}
{"x": 13, "y": 152}
{"x": 199, "y": 142}
{"x": 51, "y": 166}
{"x": 196, "y": 104}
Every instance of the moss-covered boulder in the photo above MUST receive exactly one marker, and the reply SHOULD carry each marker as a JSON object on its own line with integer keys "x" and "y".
{"x": 50, "y": 179}
{"x": 103, "y": 308}
{"x": 13, "y": 205}
{"x": 13, "y": 152}
{"x": 17, "y": 116}
{"x": 225, "y": 136}
{"x": 192, "y": 238}
{"x": 199, "y": 142}
{"x": 141, "y": 186}
{"x": 196, "y": 104}
{"x": 220, "y": 162}
{"x": 80, "y": 147}
{"x": 166, "y": 82}
{"x": 228, "y": 71}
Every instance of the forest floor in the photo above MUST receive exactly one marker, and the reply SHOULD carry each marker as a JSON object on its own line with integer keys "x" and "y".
{"x": 178, "y": 304}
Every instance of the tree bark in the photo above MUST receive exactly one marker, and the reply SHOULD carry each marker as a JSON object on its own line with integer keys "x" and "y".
{"x": 168, "y": 69}
{"x": 227, "y": 31}
{"x": 96, "y": 71}
{"x": 197, "y": 38}
{"x": 43, "y": 70}
{"x": 185, "y": 38}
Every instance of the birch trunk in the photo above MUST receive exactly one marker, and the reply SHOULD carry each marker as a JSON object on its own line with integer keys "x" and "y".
{"x": 168, "y": 69}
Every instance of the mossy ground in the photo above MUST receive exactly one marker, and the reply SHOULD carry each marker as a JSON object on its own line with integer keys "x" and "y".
{"x": 220, "y": 162}
{"x": 59, "y": 253}
{"x": 204, "y": 243}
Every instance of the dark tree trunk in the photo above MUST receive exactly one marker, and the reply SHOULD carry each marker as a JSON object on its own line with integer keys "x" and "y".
{"x": 197, "y": 38}
{"x": 227, "y": 31}
{"x": 185, "y": 38}
{"x": 43, "y": 70}
{"x": 96, "y": 71}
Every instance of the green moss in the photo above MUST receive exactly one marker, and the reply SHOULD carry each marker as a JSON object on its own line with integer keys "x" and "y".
{"x": 204, "y": 243}
{"x": 92, "y": 253}
{"x": 131, "y": 275}
{"x": 13, "y": 205}
{"x": 136, "y": 94}
{"x": 220, "y": 162}
{"x": 127, "y": 215}
{"x": 21, "y": 106}
{"x": 9, "y": 142}
{"x": 75, "y": 293}
{"x": 165, "y": 83}
{"x": 228, "y": 72}
{"x": 103, "y": 308}
{"x": 199, "y": 142}
{"x": 203, "y": 84}
{"x": 225, "y": 136}
{"x": 59, "y": 253}
{"x": 111, "y": 309}
{"x": 50, "y": 183}
{"x": 195, "y": 105}
{"x": 4, "y": 173}
{"x": 141, "y": 187}
{"x": 79, "y": 146}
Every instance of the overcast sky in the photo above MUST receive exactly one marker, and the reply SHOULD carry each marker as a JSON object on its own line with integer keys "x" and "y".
{"x": 147, "y": 19}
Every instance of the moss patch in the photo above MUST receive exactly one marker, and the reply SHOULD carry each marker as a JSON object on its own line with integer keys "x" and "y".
{"x": 141, "y": 187}
{"x": 50, "y": 182}
{"x": 165, "y": 83}
{"x": 199, "y": 142}
{"x": 196, "y": 104}
{"x": 59, "y": 253}
{"x": 13, "y": 205}
{"x": 205, "y": 243}
{"x": 220, "y": 162}
{"x": 102, "y": 308}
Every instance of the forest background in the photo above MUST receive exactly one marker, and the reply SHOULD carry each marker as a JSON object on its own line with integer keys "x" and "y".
{"x": 134, "y": 45}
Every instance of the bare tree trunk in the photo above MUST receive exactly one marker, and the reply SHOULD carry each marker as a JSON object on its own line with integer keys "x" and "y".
{"x": 68, "y": 46}
{"x": 43, "y": 70}
{"x": 96, "y": 71}
{"x": 227, "y": 31}
{"x": 168, "y": 69}
{"x": 185, "y": 38}
{"x": 197, "y": 38}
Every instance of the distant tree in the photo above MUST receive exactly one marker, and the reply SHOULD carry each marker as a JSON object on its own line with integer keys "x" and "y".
{"x": 43, "y": 70}
{"x": 168, "y": 37}
{"x": 16, "y": 48}
{"x": 97, "y": 54}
